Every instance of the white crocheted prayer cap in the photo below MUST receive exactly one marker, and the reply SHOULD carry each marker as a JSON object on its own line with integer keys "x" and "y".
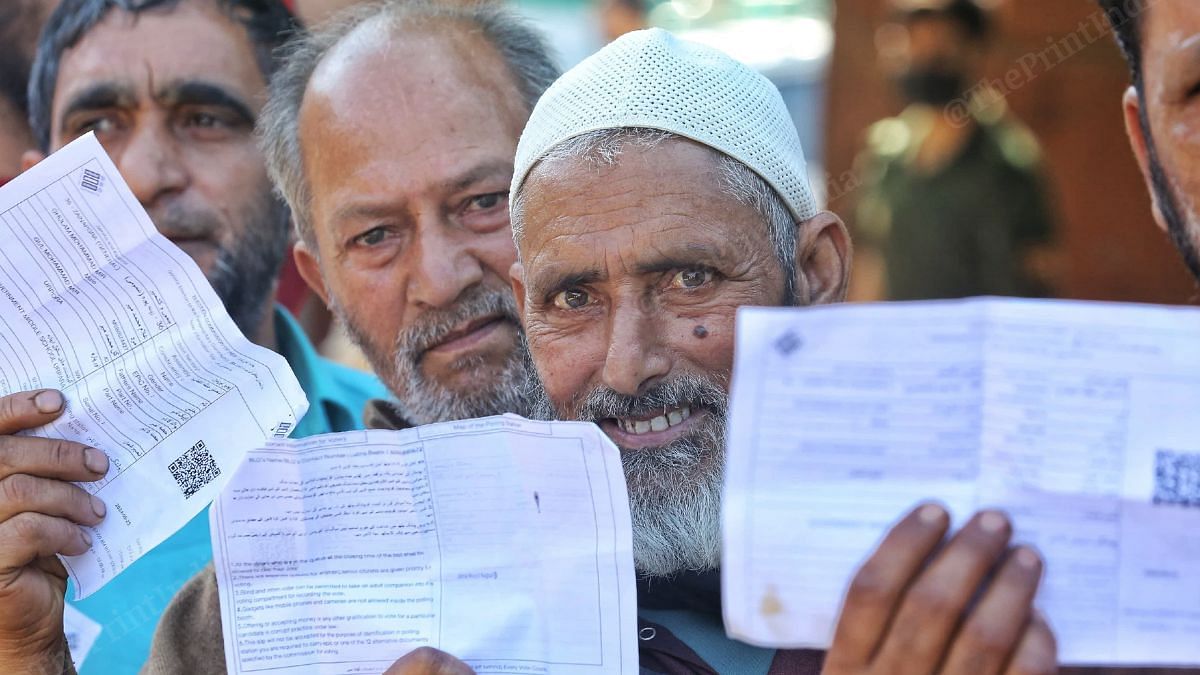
{"x": 650, "y": 78}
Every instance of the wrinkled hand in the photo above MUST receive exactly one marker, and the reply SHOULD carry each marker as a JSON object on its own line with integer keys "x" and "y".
{"x": 40, "y": 514}
{"x": 429, "y": 661}
{"x": 962, "y": 609}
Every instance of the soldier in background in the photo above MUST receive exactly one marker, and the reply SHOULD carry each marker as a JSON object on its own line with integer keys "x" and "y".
{"x": 953, "y": 203}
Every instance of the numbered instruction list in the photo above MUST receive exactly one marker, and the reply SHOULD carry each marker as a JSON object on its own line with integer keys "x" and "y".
{"x": 502, "y": 541}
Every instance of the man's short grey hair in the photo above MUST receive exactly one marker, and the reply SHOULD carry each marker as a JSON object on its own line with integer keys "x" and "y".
{"x": 521, "y": 47}
{"x": 603, "y": 147}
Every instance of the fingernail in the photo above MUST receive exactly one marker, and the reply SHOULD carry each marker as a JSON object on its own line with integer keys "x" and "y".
{"x": 86, "y": 536}
{"x": 95, "y": 460}
{"x": 993, "y": 522}
{"x": 931, "y": 514}
{"x": 99, "y": 507}
{"x": 48, "y": 401}
{"x": 1027, "y": 558}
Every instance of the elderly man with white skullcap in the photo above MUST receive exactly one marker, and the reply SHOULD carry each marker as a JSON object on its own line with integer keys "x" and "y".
{"x": 659, "y": 186}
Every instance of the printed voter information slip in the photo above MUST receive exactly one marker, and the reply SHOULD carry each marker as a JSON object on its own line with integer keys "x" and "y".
{"x": 96, "y": 303}
{"x": 502, "y": 541}
{"x": 1081, "y": 420}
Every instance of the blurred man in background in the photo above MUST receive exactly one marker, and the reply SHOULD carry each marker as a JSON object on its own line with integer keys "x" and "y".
{"x": 953, "y": 203}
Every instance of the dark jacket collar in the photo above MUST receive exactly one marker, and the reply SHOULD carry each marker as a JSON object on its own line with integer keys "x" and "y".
{"x": 693, "y": 591}
{"x": 383, "y": 414}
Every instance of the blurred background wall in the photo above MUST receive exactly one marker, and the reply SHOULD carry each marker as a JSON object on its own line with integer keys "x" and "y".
{"x": 822, "y": 54}
{"x": 1054, "y": 60}
{"x": 1110, "y": 249}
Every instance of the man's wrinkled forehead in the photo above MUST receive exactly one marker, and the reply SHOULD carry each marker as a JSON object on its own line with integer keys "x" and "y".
{"x": 418, "y": 111}
{"x": 150, "y": 53}
{"x": 651, "y": 210}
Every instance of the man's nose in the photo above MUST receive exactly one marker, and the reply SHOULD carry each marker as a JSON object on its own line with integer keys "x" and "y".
{"x": 152, "y": 165}
{"x": 445, "y": 265}
{"x": 636, "y": 355}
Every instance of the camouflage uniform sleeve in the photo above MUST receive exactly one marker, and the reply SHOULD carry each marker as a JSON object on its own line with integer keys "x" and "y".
{"x": 886, "y": 141}
{"x": 996, "y": 252}
{"x": 1032, "y": 222}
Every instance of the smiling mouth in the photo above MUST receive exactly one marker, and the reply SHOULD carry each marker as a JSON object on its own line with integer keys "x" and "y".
{"x": 654, "y": 429}
{"x": 670, "y": 417}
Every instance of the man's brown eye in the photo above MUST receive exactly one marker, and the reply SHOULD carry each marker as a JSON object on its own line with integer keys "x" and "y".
{"x": 691, "y": 278}
{"x": 372, "y": 237}
{"x": 571, "y": 299}
{"x": 488, "y": 201}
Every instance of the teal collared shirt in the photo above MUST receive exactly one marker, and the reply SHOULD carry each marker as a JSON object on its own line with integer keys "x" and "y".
{"x": 129, "y": 607}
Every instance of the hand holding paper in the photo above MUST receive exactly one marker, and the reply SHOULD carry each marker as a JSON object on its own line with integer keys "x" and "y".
{"x": 1078, "y": 420}
{"x": 163, "y": 394}
{"x": 903, "y": 610}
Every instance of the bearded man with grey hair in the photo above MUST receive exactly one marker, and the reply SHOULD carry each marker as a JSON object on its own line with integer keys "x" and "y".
{"x": 659, "y": 186}
{"x": 391, "y": 134}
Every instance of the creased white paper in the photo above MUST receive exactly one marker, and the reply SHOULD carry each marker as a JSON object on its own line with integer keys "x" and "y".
{"x": 96, "y": 303}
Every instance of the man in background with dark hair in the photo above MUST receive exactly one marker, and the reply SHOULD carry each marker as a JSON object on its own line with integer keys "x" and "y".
{"x": 954, "y": 203}
{"x": 172, "y": 89}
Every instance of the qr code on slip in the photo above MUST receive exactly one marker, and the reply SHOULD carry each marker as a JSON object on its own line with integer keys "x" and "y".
{"x": 1177, "y": 478}
{"x": 194, "y": 469}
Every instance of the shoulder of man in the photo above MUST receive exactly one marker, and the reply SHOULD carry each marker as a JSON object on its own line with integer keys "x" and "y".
{"x": 189, "y": 638}
{"x": 889, "y": 139}
{"x": 1017, "y": 145}
{"x": 354, "y": 384}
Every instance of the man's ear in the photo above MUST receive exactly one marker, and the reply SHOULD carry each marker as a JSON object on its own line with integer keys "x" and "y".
{"x": 823, "y": 256}
{"x": 310, "y": 270}
{"x": 516, "y": 276}
{"x": 1132, "y": 106}
{"x": 29, "y": 158}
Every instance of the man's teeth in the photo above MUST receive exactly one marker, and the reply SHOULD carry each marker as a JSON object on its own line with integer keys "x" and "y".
{"x": 661, "y": 423}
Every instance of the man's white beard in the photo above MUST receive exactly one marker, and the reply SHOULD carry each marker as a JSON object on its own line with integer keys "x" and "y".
{"x": 424, "y": 400}
{"x": 675, "y": 502}
{"x": 675, "y": 490}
